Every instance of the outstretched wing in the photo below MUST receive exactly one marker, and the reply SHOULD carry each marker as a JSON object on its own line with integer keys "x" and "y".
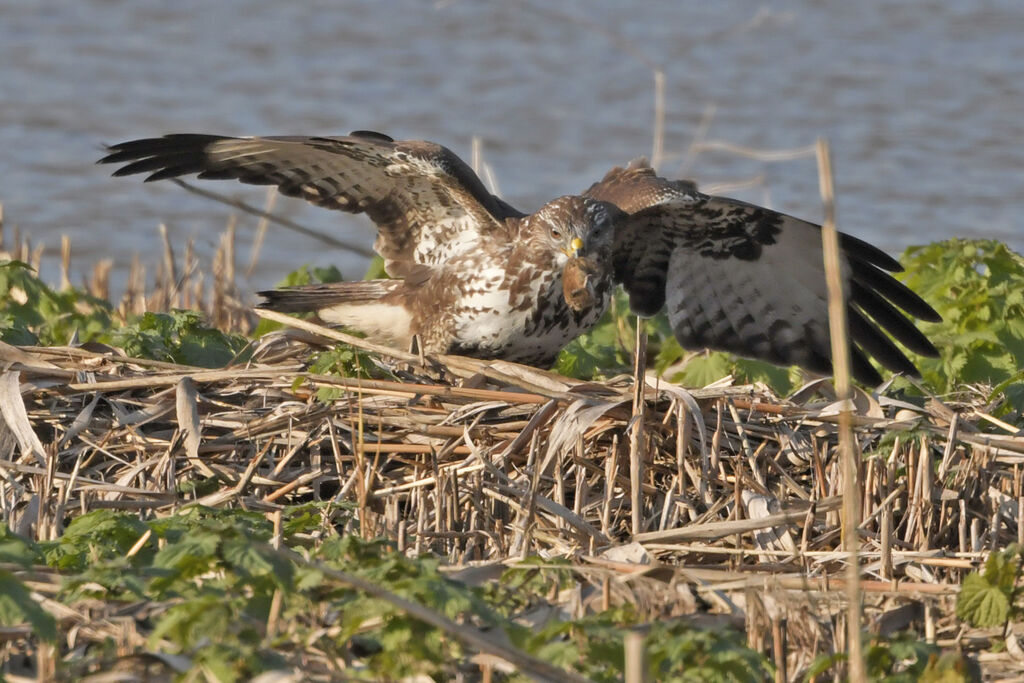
{"x": 426, "y": 202}
{"x": 741, "y": 278}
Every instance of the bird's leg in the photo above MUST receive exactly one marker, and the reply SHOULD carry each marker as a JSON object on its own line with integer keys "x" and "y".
{"x": 416, "y": 348}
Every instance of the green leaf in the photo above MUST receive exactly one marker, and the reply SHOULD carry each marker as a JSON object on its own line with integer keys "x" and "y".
{"x": 178, "y": 336}
{"x": 982, "y": 602}
{"x": 251, "y": 560}
{"x": 328, "y": 274}
{"x": 190, "y": 554}
{"x": 823, "y": 663}
{"x": 101, "y": 534}
{"x": 17, "y": 550}
{"x": 114, "y": 579}
{"x": 949, "y": 667}
{"x": 376, "y": 270}
{"x": 702, "y": 370}
{"x": 978, "y": 288}
{"x": 17, "y": 607}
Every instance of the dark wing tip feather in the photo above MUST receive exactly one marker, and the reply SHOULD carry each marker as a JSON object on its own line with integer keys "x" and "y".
{"x": 892, "y": 289}
{"x": 889, "y": 318}
{"x": 879, "y": 346}
{"x": 169, "y": 156}
{"x": 173, "y": 171}
{"x": 858, "y": 248}
{"x": 862, "y": 369}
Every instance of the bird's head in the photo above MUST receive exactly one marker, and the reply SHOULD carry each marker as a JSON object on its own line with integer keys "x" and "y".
{"x": 578, "y": 233}
{"x": 575, "y": 227}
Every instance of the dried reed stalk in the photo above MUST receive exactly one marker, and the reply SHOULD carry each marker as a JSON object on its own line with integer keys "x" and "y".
{"x": 459, "y": 470}
{"x": 848, "y": 455}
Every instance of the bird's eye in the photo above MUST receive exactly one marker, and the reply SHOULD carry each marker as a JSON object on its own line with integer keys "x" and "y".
{"x": 556, "y": 233}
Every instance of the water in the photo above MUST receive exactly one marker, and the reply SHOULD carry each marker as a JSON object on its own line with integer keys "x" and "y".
{"x": 922, "y": 103}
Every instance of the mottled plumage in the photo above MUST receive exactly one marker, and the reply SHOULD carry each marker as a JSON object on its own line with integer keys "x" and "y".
{"x": 477, "y": 277}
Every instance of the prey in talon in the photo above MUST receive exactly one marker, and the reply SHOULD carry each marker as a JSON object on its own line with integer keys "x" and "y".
{"x": 580, "y": 280}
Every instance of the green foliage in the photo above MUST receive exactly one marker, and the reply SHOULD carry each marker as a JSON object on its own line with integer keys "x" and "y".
{"x": 987, "y": 598}
{"x": 17, "y": 607}
{"x": 307, "y": 275}
{"x": 16, "y": 550}
{"x": 209, "y": 577}
{"x": 92, "y": 538}
{"x": 978, "y": 288}
{"x": 704, "y": 368}
{"x": 344, "y": 361}
{"x": 607, "y": 350}
{"x": 593, "y": 645}
{"x": 178, "y": 337}
{"x": 33, "y": 313}
{"x": 376, "y": 271}
{"x": 599, "y": 353}
{"x": 522, "y": 585}
{"x": 304, "y": 275}
{"x": 902, "y": 658}
{"x": 680, "y": 652}
{"x": 398, "y": 646}
{"x": 676, "y": 651}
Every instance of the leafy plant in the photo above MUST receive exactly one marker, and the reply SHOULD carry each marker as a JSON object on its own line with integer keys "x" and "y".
{"x": 608, "y": 350}
{"x": 33, "y": 313}
{"x": 903, "y": 658}
{"x": 375, "y": 271}
{"x": 304, "y": 275}
{"x": 988, "y": 598}
{"x": 92, "y": 538}
{"x": 18, "y": 607}
{"x": 208, "y": 579}
{"x": 978, "y": 288}
{"x": 16, "y": 603}
{"x": 178, "y": 337}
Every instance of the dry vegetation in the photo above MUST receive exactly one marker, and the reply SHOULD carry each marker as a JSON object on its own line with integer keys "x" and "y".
{"x": 718, "y": 505}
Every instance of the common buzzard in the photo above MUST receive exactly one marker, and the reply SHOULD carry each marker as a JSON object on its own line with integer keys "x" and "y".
{"x": 475, "y": 276}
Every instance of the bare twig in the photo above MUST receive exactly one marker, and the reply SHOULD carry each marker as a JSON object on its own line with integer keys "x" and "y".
{"x": 284, "y": 222}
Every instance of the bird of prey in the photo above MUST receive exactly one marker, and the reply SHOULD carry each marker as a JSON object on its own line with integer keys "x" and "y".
{"x": 472, "y": 275}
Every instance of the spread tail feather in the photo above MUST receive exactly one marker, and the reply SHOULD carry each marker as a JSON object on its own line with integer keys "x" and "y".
{"x": 305, "y": 298}
{"x": 373, "y": 307}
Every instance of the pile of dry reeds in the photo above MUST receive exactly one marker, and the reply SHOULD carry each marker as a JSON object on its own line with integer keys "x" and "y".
{"x": 722, "y": 500}
{"x": 719, "y": 501}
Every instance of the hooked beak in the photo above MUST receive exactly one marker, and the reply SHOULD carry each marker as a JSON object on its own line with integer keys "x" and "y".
{"x": 575, "y": 247}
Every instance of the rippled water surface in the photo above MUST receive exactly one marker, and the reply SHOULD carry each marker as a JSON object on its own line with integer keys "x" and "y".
{"x": 922, "y": 102}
